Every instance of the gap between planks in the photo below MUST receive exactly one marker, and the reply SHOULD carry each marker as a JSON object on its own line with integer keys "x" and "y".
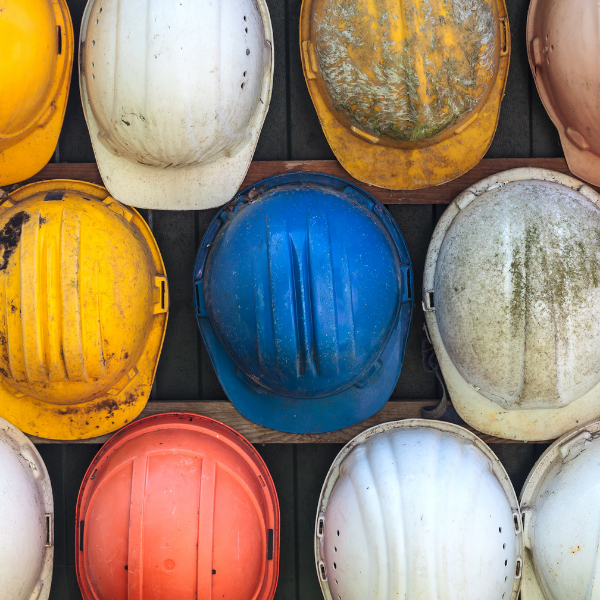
{"x": 442, "y": 194}
{"x": 224, "y": 411}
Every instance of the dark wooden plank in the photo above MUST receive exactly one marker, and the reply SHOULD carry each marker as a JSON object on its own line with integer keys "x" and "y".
{"x": 442, "y": 194}
{"x": 77, "y": 461}
{"x": 514, "y": 127}
{"x": 545, "y": 139}
{"x": 178, "y": 373}
{"x": 74, "y": 144}
{"x": 272, "y": 144}
{"x": 279, "y": 459}
{"x": 210, "y": 388}
{"x": 307, "y": 140}
{"x": 312, "y": 465}
{"x": 225, "y": 412}
{"x": 518, "y": 460}
{"x": 416, "y": 225}
{"x": 60, "y": 583}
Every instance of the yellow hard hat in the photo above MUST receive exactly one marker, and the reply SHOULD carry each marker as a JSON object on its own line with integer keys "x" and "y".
{"x": 83, "y": 310}
{"x": 35, "y": 73}
{"x": 408, "y": 92}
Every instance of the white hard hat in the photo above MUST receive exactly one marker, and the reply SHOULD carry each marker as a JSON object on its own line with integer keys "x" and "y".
{"x": 175, "y": 95}
{"x": 511, "y": 295}
{"x": 561, "y": 520}
{"x": 418, "y": 510}
{"x": 26, "y": 519}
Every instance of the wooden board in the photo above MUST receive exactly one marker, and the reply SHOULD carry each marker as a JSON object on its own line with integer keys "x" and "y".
{"x": 225, "y": 412}
{"x": 442, "y": 194}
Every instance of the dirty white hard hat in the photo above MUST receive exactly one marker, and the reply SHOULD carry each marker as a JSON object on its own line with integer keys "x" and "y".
{"x": 421, "y": 510}
{"x": 175, "y": 95}
{"x": 561, "y": 520}
{"x": 26, "y": 519}
{"x": 511, "y": 294}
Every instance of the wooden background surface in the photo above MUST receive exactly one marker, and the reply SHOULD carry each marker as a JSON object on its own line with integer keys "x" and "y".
{"x": 291, "y": 133}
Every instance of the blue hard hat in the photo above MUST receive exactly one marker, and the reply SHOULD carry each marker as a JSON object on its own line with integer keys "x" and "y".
{"x": 303, "y": 292}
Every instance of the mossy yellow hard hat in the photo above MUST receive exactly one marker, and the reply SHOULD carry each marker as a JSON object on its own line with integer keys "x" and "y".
{"x": 408, "y": 93}
{"x": 83, "y": 310}
{"x": 35, "y": 73}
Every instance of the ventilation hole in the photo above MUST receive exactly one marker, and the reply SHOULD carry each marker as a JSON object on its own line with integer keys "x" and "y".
{"x": 518, "y": 568}
{"x": 552, "y": 48}
{"x": 48, "y": 531}
{"x": 93, "y": 76}
{"x": 322, "y": 568}
{"x": 506, "y": 562}
{"x": 506, "y": 578}
{"x": 334, "y": 566}
{"x": 96, "y": 21}
{"x": 335, "y": 549}
{"x": 100, "y": 10}
{"x": 246, "y": 30}
{"x": 242, "y": 86}
{"x": 93, "y": 43}
{"x": 338, "y": 534}
{"x": 92, "y": 65}
{"x": 245, "y": 72}
{"x": 81, "y": 531}
{"x": 59, "y": 49}
{"x": 247, "y": 51}
{"x": 430, "y": 297}
{"x": 336, "y": 582}
{"x": 321, "y": 522}
{"x": 504, "y": 594}
{"x": 339, "y": 597}
{"x": 500, "y": 529}
{"x": 162, "y": 294}
{"x": 503, "y": 546}
{"x": 245, "y": 19}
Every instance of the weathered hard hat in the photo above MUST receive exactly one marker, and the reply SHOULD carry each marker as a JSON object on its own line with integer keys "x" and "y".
{"x": 83, "y": 310}
{"x": 35, "y": 71}
{"x": 26, "y": 519}
{"x": 561, "y": 521}
{"x": 512, "y": 298}
{"x": 175, "y": 95}
{"x": 418, "y": 509}
{"x": 177, "y": 506}
{"x": 563, "y": 45}
{"x": 303, "y": 292}
{"x": 408, "y": 94}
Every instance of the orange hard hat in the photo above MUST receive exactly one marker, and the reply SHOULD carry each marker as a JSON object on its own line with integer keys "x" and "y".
{"x": 177, "y": 506}
{"x": 563, "y": 44}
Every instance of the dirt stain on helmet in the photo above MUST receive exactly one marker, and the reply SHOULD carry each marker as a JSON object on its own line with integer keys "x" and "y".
{"x": 10, "y": 236}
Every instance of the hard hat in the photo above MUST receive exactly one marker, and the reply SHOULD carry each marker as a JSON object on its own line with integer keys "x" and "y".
{"x": 175, "y": 95}
{"x": 303, "y": 292}
{"x": 408, "y": 93}
{"x": 563, "y": 45}
{"x": 177, "y": 506}
{"x": 559, "y": 503}
{"x": 35, "y": 71}
{"x": 26, "y": 519}
{"x": 418, "y": 509}
{"x": 512, "y": 301}
{"x": 83, "y": 310}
